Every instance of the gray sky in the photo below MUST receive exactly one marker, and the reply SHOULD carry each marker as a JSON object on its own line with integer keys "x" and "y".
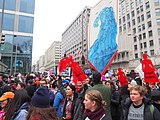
{"x": 52, "y": 17}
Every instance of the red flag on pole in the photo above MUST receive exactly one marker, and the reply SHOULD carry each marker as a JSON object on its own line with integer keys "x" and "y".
{"x": 122, "y": 77}
{"x": 77, "y": 71}
{"x": 150, "y": 75}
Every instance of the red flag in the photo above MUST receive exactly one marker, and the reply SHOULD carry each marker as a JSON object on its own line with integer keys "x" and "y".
{"x": 122, "y": 77}
{"x": 78, "y": 72}
{"x": 64, "y": 63}
{"x": 150, "y": 75}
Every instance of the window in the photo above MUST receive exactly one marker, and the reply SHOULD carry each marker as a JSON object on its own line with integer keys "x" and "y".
{"x": 10, "y": 4}
{"x": 147, "y": 5}
{"x": 27, "y": 6}
{"x": 25, "y": 24}
{"x": 136, "y": 55}
{"x": 158, "y": 31}
{"x": 135, "y": 47}
{"x": 134, "y": 30}
{"x": 141, "y": 53}
{"x": 142, "y": 17}
{"x": 124, "y": 19}
{"x": 119, "y": 21}
{"x": 138, "y": 11}
{"x": 132, "y": 13}
{"x": 145, "y": 44}
{"x": 120, "y": 29}
{"x": 156, "y": 2}
{"x": 138, "y": 20}
{"x": 149, "y": 24}
{"x": 133, "y": 22}
{"x": 24, "y": 44}
{"x": 127, "y": 8}
{"x": 132, "y": 5}
{"x": 148, "y": 14}
{"x": 137, "y": 1}
{"x": 157, "y": 11}
{"x": 152, "y": 52}
{"x": 144, "y": 35}
{"x": 158, "y": 22}
{"x": 141, "y": 45}
{"x": 143, "y": 26}
{"x": 129, "y": 25}
{"x": 124, "y": 27}
{"x": 135, "y": 38}
{"x": 150, "y": 33}
{"x": 141, "y": 8}
{"x": 139, "y": 28}
{"x": 151, "y": 43}
{"x": 128, "y": 16}
{"x": 8, "y": 22}
{"x": 140, "y": 37}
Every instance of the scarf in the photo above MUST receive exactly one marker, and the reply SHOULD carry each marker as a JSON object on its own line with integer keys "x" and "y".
{"x": 96, "y": 115}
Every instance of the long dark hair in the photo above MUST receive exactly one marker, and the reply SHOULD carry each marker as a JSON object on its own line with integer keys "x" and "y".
{"x": 42, "y": 113}
{"x": 20, "y": 98}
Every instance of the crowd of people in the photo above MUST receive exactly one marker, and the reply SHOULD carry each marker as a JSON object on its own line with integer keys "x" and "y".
{"x": 37, "y": 96}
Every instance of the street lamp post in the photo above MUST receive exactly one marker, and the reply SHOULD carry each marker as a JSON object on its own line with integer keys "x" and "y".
{"x": 140, "y": 59}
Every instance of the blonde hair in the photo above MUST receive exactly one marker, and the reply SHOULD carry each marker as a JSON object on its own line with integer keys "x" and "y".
{"x": 95, "y": 95}
{"x": 142, "y": 90}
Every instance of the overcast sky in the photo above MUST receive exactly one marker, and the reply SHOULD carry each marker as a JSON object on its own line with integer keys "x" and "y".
{"x": 52, "y": 17}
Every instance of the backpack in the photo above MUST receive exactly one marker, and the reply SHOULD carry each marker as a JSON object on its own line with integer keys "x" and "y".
{"x": 151, "y": 107}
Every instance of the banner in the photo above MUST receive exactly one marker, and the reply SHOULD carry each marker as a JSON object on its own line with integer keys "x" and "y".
{"x": 103, "y": 34}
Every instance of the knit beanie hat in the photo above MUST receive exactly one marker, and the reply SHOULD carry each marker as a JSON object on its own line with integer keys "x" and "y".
{"x": 41, "y": 98}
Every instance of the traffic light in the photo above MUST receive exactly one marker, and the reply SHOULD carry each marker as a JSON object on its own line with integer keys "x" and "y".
{"x": 2, "y": 39}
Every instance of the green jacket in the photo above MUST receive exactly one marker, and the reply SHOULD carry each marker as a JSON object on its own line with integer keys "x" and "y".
{"x": 106, "y": 94}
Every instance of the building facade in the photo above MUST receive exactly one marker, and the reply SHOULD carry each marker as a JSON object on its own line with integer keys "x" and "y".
{"x": 75, "y": 37}
{"x": 52, "y": 56}
{"x": 17, "y": 19}
{"x": 139, "y": 33}
{"x": 41, "y": 63}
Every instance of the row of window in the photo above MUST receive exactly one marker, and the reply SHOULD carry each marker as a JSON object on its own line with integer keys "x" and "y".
{"x": 18, "y": 44}
{"x": 25, "y": 23}
{"x": 26, "y": 6}
{"x": 144, "y": 45}
{"x": 138, "y": 9}
{"x": 151, "y": 53}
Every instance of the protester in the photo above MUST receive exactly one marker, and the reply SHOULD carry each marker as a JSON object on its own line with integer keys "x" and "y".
{"x": 40, "y": 108}
{"x": 4, "y": 101}
{"x": 95, "y": 106}
{"x": 115, "y": 101}
{"x": 155, "y": 97}
{"x": 103, "y": 89}
{"x": 18, "y": 107}
{"x": 71, "y": 104}
{"x": 137, "y": 107}
{"x": 20, "y": 86}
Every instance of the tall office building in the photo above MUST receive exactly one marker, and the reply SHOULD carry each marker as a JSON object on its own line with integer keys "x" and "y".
{"x": 18, "y": 20}
{"x": 139, "y": 33}
{"x": 75, "y": 37}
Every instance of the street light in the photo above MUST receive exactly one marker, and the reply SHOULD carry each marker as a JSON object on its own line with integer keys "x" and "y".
{"x": 140, "y": 59}
{"x": 134, "y": 36}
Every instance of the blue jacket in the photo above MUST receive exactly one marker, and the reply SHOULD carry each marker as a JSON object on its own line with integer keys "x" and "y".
{"x": 21, "y": 114}
{"x": 58, "y": 103}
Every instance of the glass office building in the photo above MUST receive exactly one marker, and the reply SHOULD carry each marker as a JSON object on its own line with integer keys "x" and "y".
{"x": 18, "y": 20}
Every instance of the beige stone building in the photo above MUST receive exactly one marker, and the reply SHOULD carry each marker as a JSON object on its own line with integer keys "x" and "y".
{"x": 52, "y": 56}
{"x": 139, "y": 32}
